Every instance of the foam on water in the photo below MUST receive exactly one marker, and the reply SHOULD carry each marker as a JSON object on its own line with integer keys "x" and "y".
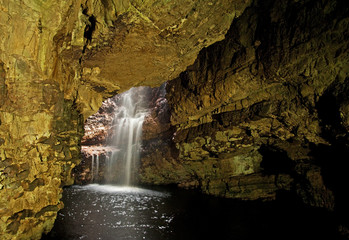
{"x": 121, "y": 189}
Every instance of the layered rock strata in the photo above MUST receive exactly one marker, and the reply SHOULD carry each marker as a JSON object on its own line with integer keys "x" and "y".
{"x": 264, "y": 111}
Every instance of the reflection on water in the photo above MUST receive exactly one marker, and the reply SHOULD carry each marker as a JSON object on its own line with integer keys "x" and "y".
{"x": 110, "y": 212}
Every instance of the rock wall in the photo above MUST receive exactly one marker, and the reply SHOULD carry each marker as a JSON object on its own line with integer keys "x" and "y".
{"x": 264, "y": 110}
{"x": 40, "y": 129}
{"x": 58, "y": 61}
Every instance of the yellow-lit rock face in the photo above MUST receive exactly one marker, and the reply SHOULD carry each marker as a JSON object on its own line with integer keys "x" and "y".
{"x": 153, "y": 41}
{"x": 270, "y": 90}
{"x": 35, "y": 157}
{"x": 58, "y": 61}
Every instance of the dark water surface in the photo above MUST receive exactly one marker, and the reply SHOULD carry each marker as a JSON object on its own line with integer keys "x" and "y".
{"x": 110, "y": 212}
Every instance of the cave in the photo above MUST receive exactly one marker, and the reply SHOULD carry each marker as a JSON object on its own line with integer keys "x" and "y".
{"x": 248, "y": 116}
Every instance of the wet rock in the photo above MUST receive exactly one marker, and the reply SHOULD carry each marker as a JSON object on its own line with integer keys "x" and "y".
{"x": 269, "y": 86}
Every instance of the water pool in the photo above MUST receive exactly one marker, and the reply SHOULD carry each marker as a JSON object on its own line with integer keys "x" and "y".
{"x": 111, "y": 212}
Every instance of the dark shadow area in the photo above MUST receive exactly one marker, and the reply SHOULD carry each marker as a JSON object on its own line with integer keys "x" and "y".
{"x": 328, "y": 111}
{"x": 334, "y": 164}
{"x": 275, "y": 161}
{"x": 90, "y": 28}
{"x": 333, "y": 157}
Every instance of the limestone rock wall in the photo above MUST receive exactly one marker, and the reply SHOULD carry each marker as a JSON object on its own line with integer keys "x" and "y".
{"x": 40, "y": 129}
{"x": 264, "y": 109}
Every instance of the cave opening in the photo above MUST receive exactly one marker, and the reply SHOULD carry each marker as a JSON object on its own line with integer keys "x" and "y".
{"x": 102, "y": 205}
{"x": 112, "y": 142}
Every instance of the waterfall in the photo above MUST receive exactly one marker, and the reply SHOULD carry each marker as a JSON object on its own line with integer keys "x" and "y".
{"x": 97, "y": 167}
{"x": 92, "y": 167}
{"x": 94, "y": 164}
{"x": 128, "y": 121}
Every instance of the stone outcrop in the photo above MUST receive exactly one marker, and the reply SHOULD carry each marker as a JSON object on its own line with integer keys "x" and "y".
{"x": 97, "y": 139}
{"x": 40, "y": 129}
{"x": 263, "y": 110}
{"x": 98, "y": 127}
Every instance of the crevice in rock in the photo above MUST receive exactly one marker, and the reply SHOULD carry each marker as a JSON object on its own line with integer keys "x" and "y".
{"x": 332, "y": 157}
{"x": 328, "y": 108}
{"x": 44, "y": 210}
{"x": 90, "y": 28}
{"x": 88, "y": 31}
{"x": 3, "y": 87}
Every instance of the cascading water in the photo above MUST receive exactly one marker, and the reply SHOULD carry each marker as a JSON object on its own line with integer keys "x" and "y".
{"x": 95, "y": 167}
{"x": 128, "y": 121}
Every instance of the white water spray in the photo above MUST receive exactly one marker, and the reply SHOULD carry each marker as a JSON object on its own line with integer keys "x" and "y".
{"x": 97, "y": 167}
{"x": 94, "y": 167}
